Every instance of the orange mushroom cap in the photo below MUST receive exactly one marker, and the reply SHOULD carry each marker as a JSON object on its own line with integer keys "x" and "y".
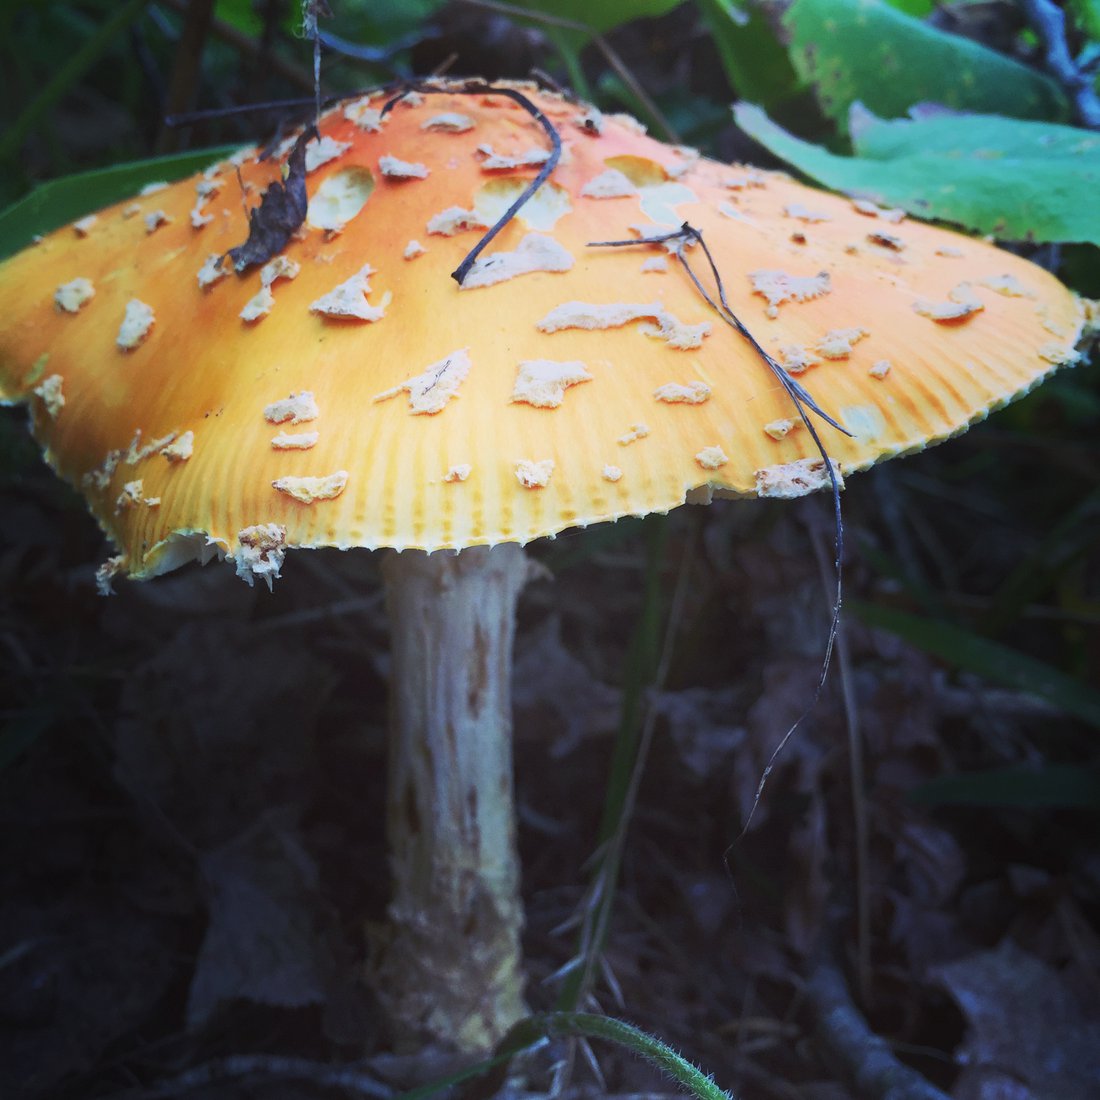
{"x": 350, "y": 393}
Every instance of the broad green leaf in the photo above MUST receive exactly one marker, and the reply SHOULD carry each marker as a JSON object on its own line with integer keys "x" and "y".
{"x": 1055, "y": 787}
{"x": 755, "y": 62}
{"x": 64, "y": 200}
{"x": 1017, "y": 180}
{"x": 600, "y": 15}
{"x": 986, "y": 658}
{"x": 868, "y": 51}
{"x": 1086, "y": 14}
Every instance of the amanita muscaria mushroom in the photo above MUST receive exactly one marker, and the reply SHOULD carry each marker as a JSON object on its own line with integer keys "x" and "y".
{"x": 346, "y": 391}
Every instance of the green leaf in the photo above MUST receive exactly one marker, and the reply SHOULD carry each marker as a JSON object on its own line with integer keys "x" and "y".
{"x": 601, "y": 16}
{"x": 755, "y": 62}
{"x": 868, "y": 51}
{"x": 985, "y": 658}
{"x": 64, "y": 200}
{"x": 1054, "y": 787}
{"x": 1018, "y": 180}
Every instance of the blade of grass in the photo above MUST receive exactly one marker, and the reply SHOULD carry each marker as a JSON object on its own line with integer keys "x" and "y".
{"x": 66, "y": 76}
{"x": 1053, "y": 787}
{"x": 61, "y": 201}
{"x": 991, "y": 660}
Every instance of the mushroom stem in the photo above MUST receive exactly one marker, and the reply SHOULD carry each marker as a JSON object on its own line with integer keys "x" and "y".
{"x": 451, "y": 968}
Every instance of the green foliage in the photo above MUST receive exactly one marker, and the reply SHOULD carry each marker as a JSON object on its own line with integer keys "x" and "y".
{"x": 1053, "y": 786}
{"x": 868, "y": 51}
{"x": 995, "y": 662}
{"x": 755, "y": 62}
{"x": 1018, "y": 180}
{"x": 66, "y": 199}
{"x": 603, "y": 15}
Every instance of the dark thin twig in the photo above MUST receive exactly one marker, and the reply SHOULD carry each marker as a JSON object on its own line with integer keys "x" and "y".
{"x": 1049, "y": 23}
{"x": 478, "y": 87}
{"x": 804, "y": 404}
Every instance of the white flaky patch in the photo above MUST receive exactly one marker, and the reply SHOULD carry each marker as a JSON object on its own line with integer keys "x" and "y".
{"x": 308, "y": 490}
{"x": 804, "y": 214}
{"x": 99, "y": 477}
{"x": 873, "y": 210}
{"x": 780, "y": 429}
{"x": 323, "y": 151}
{"x": 629, "y": 122}
{"x": 633, "y": 434}
{"x": 591, "y": 121}
{"x": 130, "y": 497}
{"x": 794, "y": 358}
{"x": 205, "y": 189}
{"x": 212, "y": 270}
{"x": 691, "y": 158}
{"x": 430, "y": 390}
{"x": 589, "y": 315}
{"x": 349, "y": 299}
{"x": 879, "y": 369}
{"x": 543, "y": 382}
{"x": 534, "y": 253}
{"x": 107, "y": 572}
{"x": 499, "y": 162}
{"x": 950, "y": 250}
{"x": 153, "y": 188}
{"x": 611, "y": 473}
{"x": 72, "y": 295}
{"x": 837, "y": 343}
{"x": 455, "y": 220}
{"x": 136, "y": 323}
{"x": 261, "y": 552}
{"x": 296, "y": 408}
{"x": 1008, "y": 285}
{"x": 49, "y": 392}
{"x": 610, "y": 184}
{"x": 795, "y": 479}
{"x": 139, "y": 452}
{"x": 459, "y": 472}
{"x": 1059, "y": 354}
{"x": 711, "y": 458}
{"x": 259, "y": 305}
{"x": 693, "y": 393}
{"x": 180, "y": 449}
{"x": 450, "y": 122}
{"x": 962, "y": 303}
{"x": 413, "y": 249}
{"x": 534, "y": 475}
{"x": 753, "y": 178}
{"x": 155, "y": 219}
{"x": 780, "y": 286}
{"x": 83, "y": 226}
{"x": 295, "y": 441}
{"x": 364, "y": 116}
{"x": 396, "y": 169}
{"x": 654, "y": 264}
{"x": 279, "y": 268}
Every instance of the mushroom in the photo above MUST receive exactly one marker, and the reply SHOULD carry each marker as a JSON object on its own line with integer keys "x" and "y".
{"x": 378, "y": 403}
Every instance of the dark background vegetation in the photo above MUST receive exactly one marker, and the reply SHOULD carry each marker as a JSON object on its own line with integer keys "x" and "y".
{"x": 191, "y": 773}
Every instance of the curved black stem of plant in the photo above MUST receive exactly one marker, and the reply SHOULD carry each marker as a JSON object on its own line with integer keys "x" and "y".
{"x": 478, "y": 87}
{"x": 804, "y": 403}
